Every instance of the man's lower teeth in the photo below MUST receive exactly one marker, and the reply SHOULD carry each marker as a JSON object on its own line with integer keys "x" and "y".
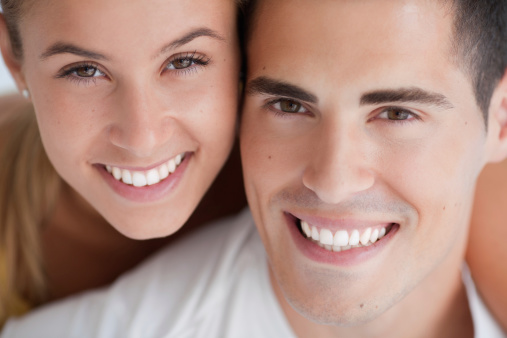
{"x": 339, "y": 248}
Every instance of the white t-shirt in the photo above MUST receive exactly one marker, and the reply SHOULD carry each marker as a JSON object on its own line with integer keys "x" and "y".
{"x": 212, "y": 284}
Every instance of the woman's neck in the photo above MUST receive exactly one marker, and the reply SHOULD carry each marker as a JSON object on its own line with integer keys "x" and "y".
{"x": 82, "y": 250}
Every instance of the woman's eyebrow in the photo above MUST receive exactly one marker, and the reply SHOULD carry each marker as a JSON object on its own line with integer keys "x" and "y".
{"x": 192, "y": 35}
{"x": 69, "y": 48}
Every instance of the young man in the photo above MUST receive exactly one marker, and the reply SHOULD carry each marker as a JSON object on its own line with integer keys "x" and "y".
{"x": 366, "y": 118}
{"x": 366, "y": 124}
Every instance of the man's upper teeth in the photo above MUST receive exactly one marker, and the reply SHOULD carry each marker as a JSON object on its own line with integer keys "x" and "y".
{"x": 342, "y": 239}
{"x": 148, "y": 177}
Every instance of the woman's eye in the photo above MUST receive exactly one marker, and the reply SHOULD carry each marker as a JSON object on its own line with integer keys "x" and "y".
{"x": 188, "y": 61}
{"x": 396, "y": 114}
{"x": 87, "y": 71}
{"x": 181, "y": 63}
{"x": 82, "y": 73}
{"x": 289, "y": 106}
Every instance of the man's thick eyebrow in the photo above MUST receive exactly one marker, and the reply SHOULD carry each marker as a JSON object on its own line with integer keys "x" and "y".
{"x": 402, "y": 95}
{"x": 265, "y": 85}
{"x": 203, "y": 31}
{"x": 68, "y": 48}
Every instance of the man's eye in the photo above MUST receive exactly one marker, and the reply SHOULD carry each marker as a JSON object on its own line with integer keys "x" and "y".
{"x": 289, "y": 106}
{"x": 396, "y": 114}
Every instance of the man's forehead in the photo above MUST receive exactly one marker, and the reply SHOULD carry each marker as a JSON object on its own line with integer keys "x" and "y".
{"x": 400, "y": 49}
{"x": 358, "y": 20}
{"x": 409, "y": 6}
{"x": 307, "y": 33}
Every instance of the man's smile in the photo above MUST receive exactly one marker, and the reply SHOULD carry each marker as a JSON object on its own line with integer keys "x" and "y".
{"x": 342, "y": 240}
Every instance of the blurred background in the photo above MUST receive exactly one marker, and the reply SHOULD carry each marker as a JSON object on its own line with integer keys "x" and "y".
{"x": 6, "y": 82}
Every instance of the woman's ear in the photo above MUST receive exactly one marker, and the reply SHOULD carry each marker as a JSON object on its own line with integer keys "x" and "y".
{"x": 12, "y": 62}
{"x": 497, "y": 123}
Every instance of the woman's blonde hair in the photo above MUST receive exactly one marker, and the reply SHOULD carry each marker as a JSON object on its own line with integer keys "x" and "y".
{"x": 28, "y": 190}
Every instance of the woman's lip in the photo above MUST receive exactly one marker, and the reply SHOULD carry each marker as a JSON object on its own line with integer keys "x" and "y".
{"x": 144, "y": 168}
{"x": 149, "y": 193}
{"x": 346, "y": 258}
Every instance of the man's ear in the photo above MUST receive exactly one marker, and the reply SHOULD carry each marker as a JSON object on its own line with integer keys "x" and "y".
{"x": 497, "y": 123}
{"x": 11, "y": 61}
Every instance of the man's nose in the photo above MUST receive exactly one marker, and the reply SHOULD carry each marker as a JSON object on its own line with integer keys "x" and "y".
{"x": 141, "y": 123}
{"x": 338, "y": 166}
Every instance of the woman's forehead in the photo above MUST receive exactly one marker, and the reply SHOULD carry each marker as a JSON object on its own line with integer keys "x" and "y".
{"x": 119, "y": 26}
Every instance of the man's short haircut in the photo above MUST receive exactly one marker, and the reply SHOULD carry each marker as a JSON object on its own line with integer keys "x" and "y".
{"x": 479, "y": 43}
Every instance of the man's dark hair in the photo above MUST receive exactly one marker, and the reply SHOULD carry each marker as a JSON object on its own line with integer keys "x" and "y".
{"x": 479, "y": 43}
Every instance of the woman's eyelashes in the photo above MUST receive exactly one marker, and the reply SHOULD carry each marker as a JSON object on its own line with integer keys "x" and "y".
{"x": 81, "y": 73}
{"x": 178, "y": 65}
{"x": 184, "y": 63}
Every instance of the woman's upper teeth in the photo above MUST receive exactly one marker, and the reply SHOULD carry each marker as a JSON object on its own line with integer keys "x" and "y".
{"x": 147, "y": 177}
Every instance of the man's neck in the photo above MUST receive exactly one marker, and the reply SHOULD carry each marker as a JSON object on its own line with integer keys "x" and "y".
{"x": 437, "y": 307}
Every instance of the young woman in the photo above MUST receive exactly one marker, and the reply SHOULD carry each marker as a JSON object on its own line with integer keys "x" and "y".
{"x": 135, "y": 105}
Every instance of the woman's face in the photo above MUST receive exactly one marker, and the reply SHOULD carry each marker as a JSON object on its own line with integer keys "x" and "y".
{"x": 136, "y": 102}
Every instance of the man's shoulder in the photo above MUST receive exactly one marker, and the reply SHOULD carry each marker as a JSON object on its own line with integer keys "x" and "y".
{"x": 219, "y": 243}
{"x": 207, "y": 241}
{"x": 187, "y": 281}
{"x": 485, "y": 325}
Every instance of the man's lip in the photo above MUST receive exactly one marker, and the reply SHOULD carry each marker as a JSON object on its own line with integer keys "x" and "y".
{"x": 142, "y": 168}
{"x": 342, "y": 223}
{"x": 348, "y": 258}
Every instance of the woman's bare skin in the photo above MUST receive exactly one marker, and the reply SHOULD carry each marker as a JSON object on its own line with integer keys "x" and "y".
{"x": 487, "y": 252}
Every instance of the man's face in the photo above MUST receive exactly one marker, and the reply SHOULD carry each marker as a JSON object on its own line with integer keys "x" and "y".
{"x": 357, "y": 124}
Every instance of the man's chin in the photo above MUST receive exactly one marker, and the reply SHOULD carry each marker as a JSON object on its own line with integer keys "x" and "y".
{"x": 333, "y": 315}
{"x": 343, "y": 309}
